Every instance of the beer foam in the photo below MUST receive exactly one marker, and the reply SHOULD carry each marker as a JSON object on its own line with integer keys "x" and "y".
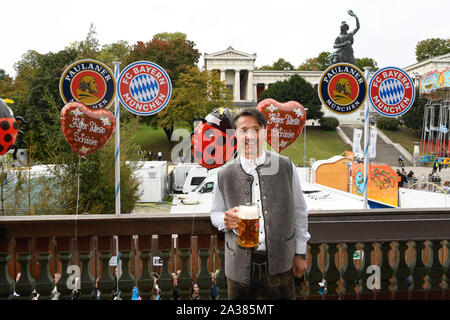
{"x": 248, "y": 212}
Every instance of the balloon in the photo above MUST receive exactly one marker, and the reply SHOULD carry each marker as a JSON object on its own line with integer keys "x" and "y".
{"x": 86, "y": 130}
{"x": 285, "y": 122}
{"x": 8, "y": 128}
{"x": 214, "y": 140}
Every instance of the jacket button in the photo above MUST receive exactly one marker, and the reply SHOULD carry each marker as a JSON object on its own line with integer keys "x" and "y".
{"x": 248, "y": 252}
{"x": 249, "y": 179}
{"x": 246, "y": 281}
{"x": 247, "y": 267}
{"x": 247, "y": 192}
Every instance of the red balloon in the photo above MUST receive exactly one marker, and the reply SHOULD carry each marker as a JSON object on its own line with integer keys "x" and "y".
{"x": 86, "y": 130}
{"x": 8, "y": 128}
{"x": 285, "y": 122}
{"x": 212, "y": 147}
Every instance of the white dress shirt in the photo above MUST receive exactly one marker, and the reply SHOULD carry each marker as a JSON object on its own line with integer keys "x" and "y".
{"x": 301, "y": 211}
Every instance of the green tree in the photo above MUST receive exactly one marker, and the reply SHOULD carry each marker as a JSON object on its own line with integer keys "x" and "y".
{"x": 432, "y": 47}
{"x": 117, "y": 51}
{"x": 366, "y": 62}
{"x": 196, "y": 94}
{"x": 319, "y": 63}
{"x": 413, "y": 119}
{"x": 176, "y": 56}
{"x": 296, "y": 89}
{"x": 280, "y": 64}
{"x": 89, "y": 48}
{"x": 167, "y": 36}
{"x": 7, "y": 87}
{"x": 39, "y": 76}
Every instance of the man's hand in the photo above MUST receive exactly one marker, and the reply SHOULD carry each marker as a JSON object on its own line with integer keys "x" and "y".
{"x": 299, "y": 267}
{"x": 231, "y": 219}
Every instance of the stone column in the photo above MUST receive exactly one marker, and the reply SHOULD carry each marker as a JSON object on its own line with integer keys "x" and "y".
{"x": 250, "y": 96}
{"x": 222, "y": 75}
{"x": 237, "y": 86}
{"x": 255, "y": 92}
{"x": 266, "y": 86}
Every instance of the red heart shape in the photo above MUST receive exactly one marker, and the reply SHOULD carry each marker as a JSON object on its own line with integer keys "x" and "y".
{"x": 86, "y": 130}
{"x": 285, "y": 122}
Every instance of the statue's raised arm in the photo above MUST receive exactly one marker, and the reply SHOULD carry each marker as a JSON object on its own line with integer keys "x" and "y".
{"x": 351, "y": 13}
{"x": 344, "y": 42}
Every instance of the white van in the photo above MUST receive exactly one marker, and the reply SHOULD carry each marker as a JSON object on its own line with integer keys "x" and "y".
{"x": 180, "y": 173}
{"x": 199, "y": 199}
{"x": 195, "y": 176}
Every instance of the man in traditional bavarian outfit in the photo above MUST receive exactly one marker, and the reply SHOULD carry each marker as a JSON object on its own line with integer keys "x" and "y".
{"x": 271, "y": 181}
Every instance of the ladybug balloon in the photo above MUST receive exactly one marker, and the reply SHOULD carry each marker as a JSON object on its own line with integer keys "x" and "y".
{"x": 214, "y": 140}
{"x": 8, "y": 128}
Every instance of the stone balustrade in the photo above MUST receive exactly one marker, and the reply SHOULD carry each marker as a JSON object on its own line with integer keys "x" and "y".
{"x": 408, "y": 250}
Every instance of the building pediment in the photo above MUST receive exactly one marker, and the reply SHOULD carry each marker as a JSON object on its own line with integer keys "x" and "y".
{"x": 229, "y": 54}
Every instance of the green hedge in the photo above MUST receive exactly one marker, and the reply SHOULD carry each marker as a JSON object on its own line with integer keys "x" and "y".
{"x": 329, "y": 123}
{"x": 388, "y": 123}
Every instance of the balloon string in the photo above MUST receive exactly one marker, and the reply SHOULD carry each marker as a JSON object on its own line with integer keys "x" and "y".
{"x": 78, "y": 199}
{"x": 78, "y": 178}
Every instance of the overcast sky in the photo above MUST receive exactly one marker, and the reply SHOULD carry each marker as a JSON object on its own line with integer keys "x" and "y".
{"x": 293, "y": 30}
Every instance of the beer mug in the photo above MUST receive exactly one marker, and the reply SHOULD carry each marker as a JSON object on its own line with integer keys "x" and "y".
{"x": 248, "y": 226}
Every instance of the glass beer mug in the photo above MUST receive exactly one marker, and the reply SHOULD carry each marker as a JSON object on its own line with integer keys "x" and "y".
{"x": 248, "y": 226}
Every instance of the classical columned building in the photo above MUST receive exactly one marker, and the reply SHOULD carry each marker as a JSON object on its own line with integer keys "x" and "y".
{"x": 237, "y": 70}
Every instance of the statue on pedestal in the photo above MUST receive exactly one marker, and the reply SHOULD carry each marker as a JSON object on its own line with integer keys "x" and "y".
{"x": 343, "y": 43}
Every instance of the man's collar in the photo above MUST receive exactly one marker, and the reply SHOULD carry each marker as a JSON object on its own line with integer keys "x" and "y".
{"x": 246, "y": 163}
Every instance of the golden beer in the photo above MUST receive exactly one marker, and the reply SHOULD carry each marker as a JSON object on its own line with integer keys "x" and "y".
{"x": 248, "y": 226}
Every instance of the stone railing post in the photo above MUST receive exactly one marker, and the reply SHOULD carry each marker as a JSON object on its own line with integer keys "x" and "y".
{"x": 185, "y": 279}
{"x": 63, "y": 249}
{"x": 349, "y": 272}
{"x": 418, "y": 271}
{"x": 86, "y": 279}
{"x": 165, "y": 280}
{"x": 106, "y": 281}
{"x": 6, "y": 282}
{"x": 26, "y": 284}
{"x": 145, "y": 282}
{"x": 221, "y": 279}
{"x": 45, "y": 283}
{"x": 126, "y": 280}
{"x": 203, "y": 276}
{"x": 313, "y": 275}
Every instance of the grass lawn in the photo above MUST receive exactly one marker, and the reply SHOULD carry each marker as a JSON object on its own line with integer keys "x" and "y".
{"x": 404, "y": 137}
{"x": 319, "y": 144}
{"x": 154, "y": 140}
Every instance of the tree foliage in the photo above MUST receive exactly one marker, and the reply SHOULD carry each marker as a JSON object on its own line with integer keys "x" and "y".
{"x": 196, "y": 94}
{"x": 38, "y": 101}
{"x": 361, "y": 63}
{"x": 432, "y": 47}
{"x": 175, "y": 55}
{"x": 7, "y": 86}
{"x": 319, "y": 63}
{"x": 280, "y": 64}
{"x": 413, "y": 119}
{"x": 296, "y": 89}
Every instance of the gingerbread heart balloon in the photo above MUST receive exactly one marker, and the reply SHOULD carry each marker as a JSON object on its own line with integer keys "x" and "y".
{"x": 285, "y": 122}
{"x": 86, "y": 130}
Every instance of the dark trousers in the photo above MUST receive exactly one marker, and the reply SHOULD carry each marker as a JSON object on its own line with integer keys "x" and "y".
{"x": 263, "y": 286}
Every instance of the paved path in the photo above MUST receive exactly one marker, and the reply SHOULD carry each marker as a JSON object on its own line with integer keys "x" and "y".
{"x": 385, "y": 153}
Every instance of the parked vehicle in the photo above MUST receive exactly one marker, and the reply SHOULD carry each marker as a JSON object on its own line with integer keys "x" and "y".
{"x": 195, "y": 176}
{"x": 181, "y": 172}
